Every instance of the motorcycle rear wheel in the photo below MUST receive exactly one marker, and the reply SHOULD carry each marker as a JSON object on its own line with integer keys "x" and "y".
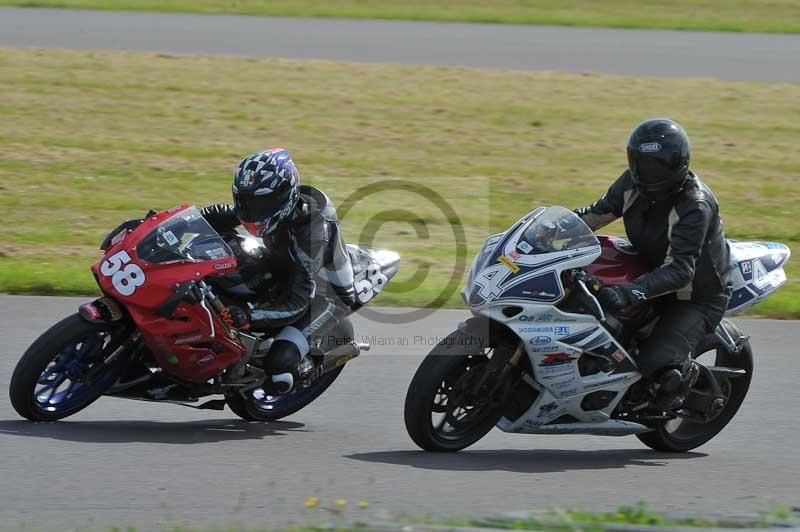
{"x": 61, "y": 373}
{"x": 258, "y": 406}
{"x": 682, "y": 435}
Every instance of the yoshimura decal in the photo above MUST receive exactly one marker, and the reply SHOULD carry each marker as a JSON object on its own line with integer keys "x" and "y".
{"x": 535, "y": 330}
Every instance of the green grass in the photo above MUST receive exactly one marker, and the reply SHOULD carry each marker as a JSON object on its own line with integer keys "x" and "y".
{"x": 778, "y": 16}
{"x": 638, "y": 515}
{"x": 90, "y": 139}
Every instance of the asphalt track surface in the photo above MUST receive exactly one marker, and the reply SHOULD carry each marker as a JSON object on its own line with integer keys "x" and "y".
{"x": 128, "y": 463}
{"x": 730, "y": 56}
{"x": 123, "y": 462}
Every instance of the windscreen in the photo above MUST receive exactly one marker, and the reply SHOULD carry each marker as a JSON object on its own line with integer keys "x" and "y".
{"x": 556, "y": 229}
{"x": 543, "y": 231}
{"x": 185, "y": 236}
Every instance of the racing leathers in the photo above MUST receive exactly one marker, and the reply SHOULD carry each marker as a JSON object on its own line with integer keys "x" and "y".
{"x": 683, "y": 240}
{"x": 311, "y": 274}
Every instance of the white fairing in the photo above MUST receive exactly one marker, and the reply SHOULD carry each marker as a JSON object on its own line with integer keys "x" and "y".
{"x": 516, "y": 280}
{"x": 757, "y": 272}
{"x": 514, "y": 271}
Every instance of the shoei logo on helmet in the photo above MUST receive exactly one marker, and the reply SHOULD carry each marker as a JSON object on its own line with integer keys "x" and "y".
{"x": 648, "y": 147}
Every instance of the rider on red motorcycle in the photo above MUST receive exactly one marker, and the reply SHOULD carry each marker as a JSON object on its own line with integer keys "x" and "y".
{"x": 672, "y": 219}
{"x": 305, "y": 254}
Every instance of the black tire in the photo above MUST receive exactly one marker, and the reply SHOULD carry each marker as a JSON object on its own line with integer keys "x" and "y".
{"x": 46, "y": 350}
{"x": 250, "y": 408}
{"x": 449, "y": 361}
{"x": 688, "y": 435}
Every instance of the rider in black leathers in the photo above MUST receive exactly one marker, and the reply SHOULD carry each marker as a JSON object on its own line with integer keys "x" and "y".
{"x": 305, "y": 256}
{"x": 672, "y": 219}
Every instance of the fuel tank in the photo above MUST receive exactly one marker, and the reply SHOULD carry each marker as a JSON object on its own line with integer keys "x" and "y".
{"x": 618, "y": 262}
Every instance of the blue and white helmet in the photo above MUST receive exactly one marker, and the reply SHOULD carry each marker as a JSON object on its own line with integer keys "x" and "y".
{"x": 265, "y": 190}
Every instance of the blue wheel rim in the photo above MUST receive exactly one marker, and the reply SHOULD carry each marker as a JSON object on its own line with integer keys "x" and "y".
{"x": 276, "y": 404}
{"x": 64, "y": 384}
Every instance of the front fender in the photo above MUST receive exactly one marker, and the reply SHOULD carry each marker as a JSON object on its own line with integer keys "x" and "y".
{"x": 483, "y": 327}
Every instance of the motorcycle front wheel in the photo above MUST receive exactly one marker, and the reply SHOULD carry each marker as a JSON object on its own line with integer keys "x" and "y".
{"x": 257, "y": 405}
{"x": 449, "y": 405}
{"x": 66, "y": 369}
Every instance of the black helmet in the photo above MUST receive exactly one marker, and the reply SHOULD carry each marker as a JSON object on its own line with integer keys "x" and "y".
{"x": 265, "y": 190}
{"x": 658, "y": 158}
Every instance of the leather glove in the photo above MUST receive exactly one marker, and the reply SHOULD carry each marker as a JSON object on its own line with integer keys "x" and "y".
{"x": 238, "y": 317}
{"x": 618, "y": 297}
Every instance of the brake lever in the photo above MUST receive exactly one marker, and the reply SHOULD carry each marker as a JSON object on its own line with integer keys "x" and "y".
{"x": 599, "y": 312}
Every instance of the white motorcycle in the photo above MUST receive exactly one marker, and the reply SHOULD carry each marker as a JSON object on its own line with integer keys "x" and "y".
{"x": 540, "y": 356}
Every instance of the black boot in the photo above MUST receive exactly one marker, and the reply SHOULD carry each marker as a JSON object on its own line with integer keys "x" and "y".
{"x": 673, "y": 385}
{"x": 281, "y": 367}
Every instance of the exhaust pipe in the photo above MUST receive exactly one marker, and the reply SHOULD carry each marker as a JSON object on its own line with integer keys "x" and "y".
{"x": 341, "y": 355}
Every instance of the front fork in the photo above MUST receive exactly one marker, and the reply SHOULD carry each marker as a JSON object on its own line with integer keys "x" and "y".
{"x": 502, "y": 378}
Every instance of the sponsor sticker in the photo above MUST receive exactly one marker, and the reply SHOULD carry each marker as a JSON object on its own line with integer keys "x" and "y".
{"x": 746, "y": 266}
{"x": 536, "y": 330}
{"x": 546, "y": 349}
{"x": 556, "y": 359}
{"x": 541, "y": 317}
{"x": 524, "y": 246}
{"x": 534, "y": 293}
{"x": 563, "y": 384}
{"x": 189, "y": 340}
{"x": 561, "y": 330}
{"x": 618, "y": 356}
{"x": 508, "y": 263}
{"x": 554, "y": 373}
{"x": 223, "y": 266}
{"x": 540, "y": 340}
{"x": 119, "y": 237}
{"x": 206, "y": 360}
{"x": 513, "y": 255}
{"x": 248, "y": 178}
{"x": 170, "y": 237}
{"x": 547, "y": 409}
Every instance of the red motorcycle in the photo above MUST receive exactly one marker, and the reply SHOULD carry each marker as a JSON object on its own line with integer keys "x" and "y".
{"x": 162, "y": 330}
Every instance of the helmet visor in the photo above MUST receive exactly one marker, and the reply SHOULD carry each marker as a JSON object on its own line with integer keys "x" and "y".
{"x": 656, "y": 176}
{"x": 259, "y": 208}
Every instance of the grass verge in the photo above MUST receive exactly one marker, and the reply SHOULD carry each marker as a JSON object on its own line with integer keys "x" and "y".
{"x": 639, "y": 515}
{"x": 776, "y": 16}
{"x": 89, "y": 139}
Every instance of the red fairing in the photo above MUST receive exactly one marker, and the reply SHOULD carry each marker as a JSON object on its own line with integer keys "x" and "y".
{"x": 618, "y": 262}
{"x": 182, "y": 344}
